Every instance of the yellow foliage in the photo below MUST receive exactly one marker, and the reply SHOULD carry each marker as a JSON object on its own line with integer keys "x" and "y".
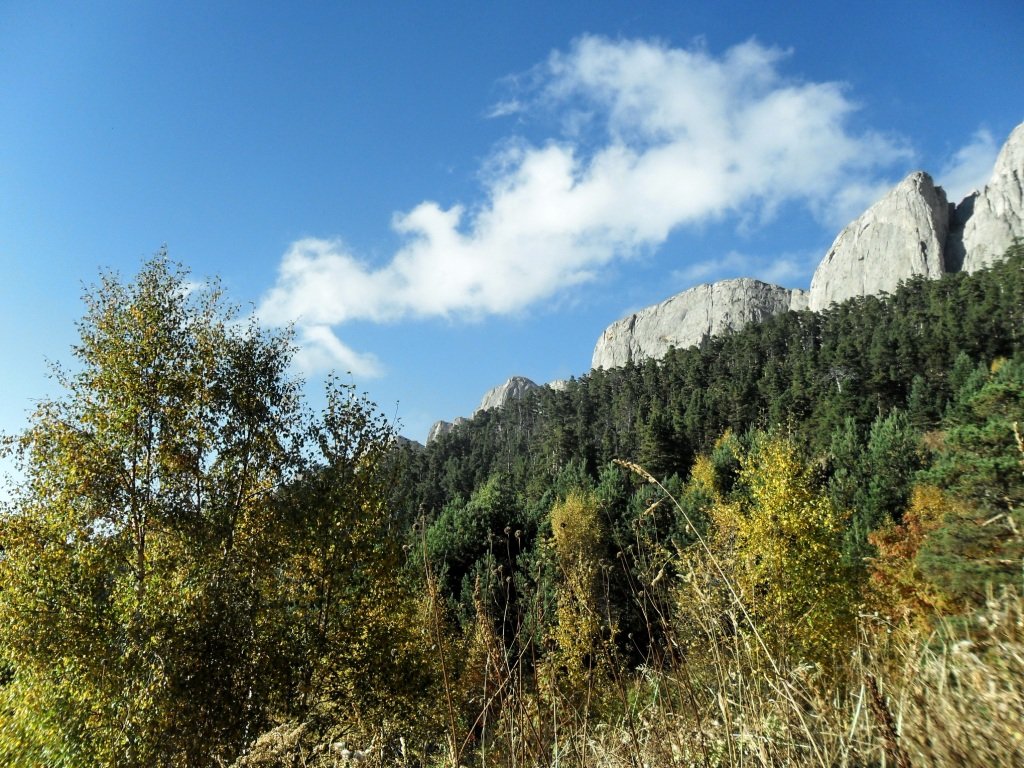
{"x": 702, "y": 476}
{"x": 578, "y": 535}
{"x": 577, "y": 529}
{"x": 784, "y": 534}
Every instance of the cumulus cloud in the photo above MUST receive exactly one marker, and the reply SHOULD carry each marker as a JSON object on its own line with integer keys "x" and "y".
{"x": 969, "y": 169}
{"x": 653, "y": 138}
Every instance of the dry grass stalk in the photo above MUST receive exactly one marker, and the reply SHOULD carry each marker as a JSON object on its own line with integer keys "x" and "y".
{"x": 711, "y": 694}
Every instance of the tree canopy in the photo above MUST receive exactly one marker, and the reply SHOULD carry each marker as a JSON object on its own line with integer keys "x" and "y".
{"x": 188, "y": 544}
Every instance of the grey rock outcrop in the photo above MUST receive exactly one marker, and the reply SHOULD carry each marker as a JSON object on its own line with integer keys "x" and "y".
{"x": 993, "y": 217}
{"x": 686, "y": 318}
{"x": 441, "y": 428}
{"x": 558, "y": 385}
{"x": 912, "y": 231}
{"x": 901, "y": 236}
{"x": 438, "y": 429}
{"x": 404, "y": 442}
{"x": 513, "y": 389}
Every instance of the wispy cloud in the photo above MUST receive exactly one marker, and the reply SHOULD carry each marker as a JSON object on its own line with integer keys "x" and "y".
{"x": 789, "y": 269}
{"x": 320, "y": 349}
{"x": 970, "y": 167}
{"x": 505, "y": 108}
{"x": 654, "y": 138}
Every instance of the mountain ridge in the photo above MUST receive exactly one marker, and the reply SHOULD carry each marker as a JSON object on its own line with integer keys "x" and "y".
{"x": 913, "y": 230}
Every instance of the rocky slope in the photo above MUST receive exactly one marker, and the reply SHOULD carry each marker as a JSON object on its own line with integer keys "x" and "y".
{"x": 497, "y": 397}
{"x": 501, "y": 395}
{"x": 685, "y": 319}
{"x": 914, "y": 231}
{"x": 441, "y": 428}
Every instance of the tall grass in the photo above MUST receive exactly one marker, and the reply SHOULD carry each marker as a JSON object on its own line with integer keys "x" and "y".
{"x": 711, "y": 690}
{"x": 954, "y": 697}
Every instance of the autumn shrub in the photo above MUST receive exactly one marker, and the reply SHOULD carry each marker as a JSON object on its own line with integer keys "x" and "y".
{"x": 190, "y": 555}
{"x": 583, "y": 631}
{"x": 780, "y": 537}
{"x": 898, "y": 587}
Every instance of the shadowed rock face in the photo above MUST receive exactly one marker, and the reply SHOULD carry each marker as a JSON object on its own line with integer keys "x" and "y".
{"x": 901, "y": 236}
{"x": 513, "y": 389}
{"x": 405, "y": 442}
{"x": 685, "y": 319}
{"x": 996, "y": 214}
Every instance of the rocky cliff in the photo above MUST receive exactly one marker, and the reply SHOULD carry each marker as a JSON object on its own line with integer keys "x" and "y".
{"x": 911, "y": 231}
{"x": 441, "y": 428}
{"x": 688, "y": 317}
{"x": 995, "y": 216}
{"x": 914, "y": 231}
{"x": 498, "y": 397}
{"x": 405, "y": 442}
{"x": 513, "y": 389}
{"x": 899, "y": 237}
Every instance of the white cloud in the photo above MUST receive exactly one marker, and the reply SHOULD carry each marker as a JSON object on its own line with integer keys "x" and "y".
{"x": 320, "y": 349}
{"x": 654, "y": 138}
{"x": 969, "y": 169}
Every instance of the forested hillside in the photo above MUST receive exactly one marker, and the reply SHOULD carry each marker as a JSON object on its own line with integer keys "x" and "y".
{"x": 780, "y": 484}
{"x": 861, "y": 389}
{"x": 808, "y": 371}
{"x": 797, "y": 544}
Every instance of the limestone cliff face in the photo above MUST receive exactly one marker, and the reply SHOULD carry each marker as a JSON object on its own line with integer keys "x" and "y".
{"x": 438, "y": 429}
{"x": 498, "y": 397}
{"x": 901, "y": 236}
{"x": 685, "y": 319}
{"x": 513, "y": 389}
{"x": 995, "y": 215}
{"x": 912, "y": 231}
{"x": 441, "y": 428}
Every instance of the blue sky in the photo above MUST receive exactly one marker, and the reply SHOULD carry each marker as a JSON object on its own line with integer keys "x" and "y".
{"x": 442, "y": 195}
